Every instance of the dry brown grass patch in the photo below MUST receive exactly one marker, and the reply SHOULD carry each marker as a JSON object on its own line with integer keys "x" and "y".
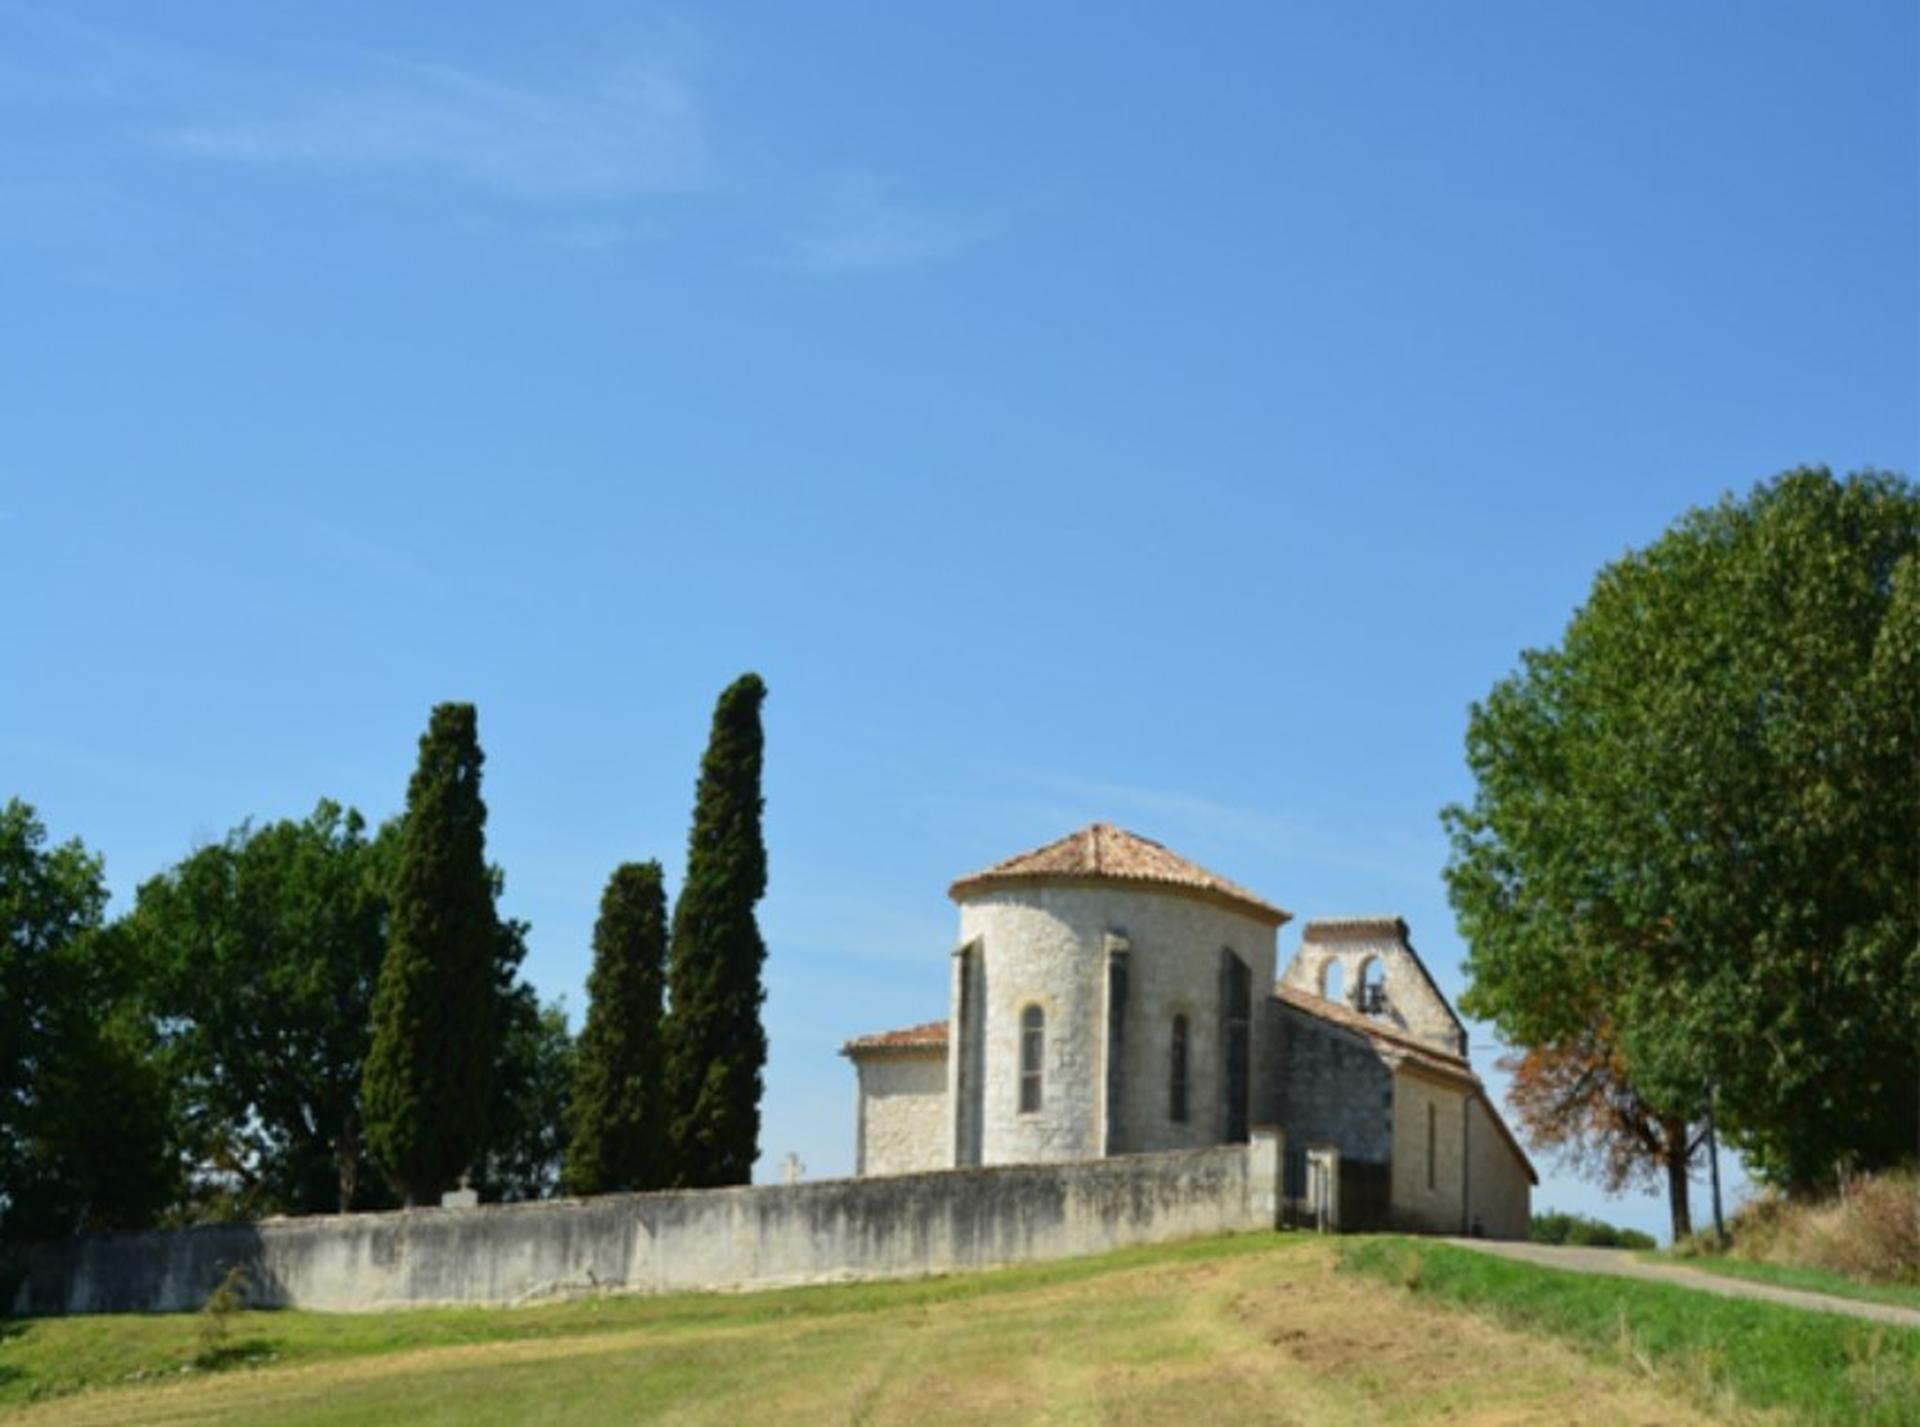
{"x": 1869, "y": 1230}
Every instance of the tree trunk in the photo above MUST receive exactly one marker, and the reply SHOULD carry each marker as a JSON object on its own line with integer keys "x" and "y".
{"x": 347, "y": 1153}
{"x": 1713, "y": 1169}
{"x": 1676, "y": 1157}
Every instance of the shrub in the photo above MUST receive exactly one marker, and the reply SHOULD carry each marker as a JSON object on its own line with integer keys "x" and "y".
{"x": 1553, "y": 1227}
{"x": 1703, "y": 1244}
{"x": 1870, "y": 1230}
{"x": 228, "y": 1298}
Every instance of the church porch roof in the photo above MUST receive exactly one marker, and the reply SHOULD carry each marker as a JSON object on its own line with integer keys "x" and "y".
{"x": 929, "y": 1038}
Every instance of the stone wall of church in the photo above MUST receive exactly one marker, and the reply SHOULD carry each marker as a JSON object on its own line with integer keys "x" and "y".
{"x": 1499, "y": 1192}
{"x": 1047, "y": 946}
{"x": 1429, "y": 1143}
{"x": 1173, "y": 969}
{"x": 1332, "y": 1089}
{"x": 902, "y": 1114}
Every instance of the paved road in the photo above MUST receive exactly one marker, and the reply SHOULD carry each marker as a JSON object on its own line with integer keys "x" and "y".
{"x": 1622, "y": 1264}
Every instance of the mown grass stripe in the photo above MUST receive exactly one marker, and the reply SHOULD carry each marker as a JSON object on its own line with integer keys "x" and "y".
{"x": 1818, "y": 1367}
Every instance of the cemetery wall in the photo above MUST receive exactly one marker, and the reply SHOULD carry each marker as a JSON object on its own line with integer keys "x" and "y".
{"x": 759, "y": 1237}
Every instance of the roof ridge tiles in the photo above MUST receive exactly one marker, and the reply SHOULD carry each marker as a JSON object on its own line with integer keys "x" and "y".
{"x": 1104, "y": 852}
{"x": 928, "y": 1035}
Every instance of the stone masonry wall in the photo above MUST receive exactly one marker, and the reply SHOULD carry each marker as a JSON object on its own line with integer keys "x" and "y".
{"x": 654, "y": 1243}
{"x": 1037, "y": 951}
{"x": 1047, "y": 946}
{"x": 1499, "y": 1191}
{"x": 1332, "y": 1089}
{"x": 903, "y": 1113}
{"x": 1418, "y": 1204}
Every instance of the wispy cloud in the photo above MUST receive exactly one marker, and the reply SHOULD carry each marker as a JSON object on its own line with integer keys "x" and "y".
{"x": 634, "y": 132}
{"x": 862, "y": 226}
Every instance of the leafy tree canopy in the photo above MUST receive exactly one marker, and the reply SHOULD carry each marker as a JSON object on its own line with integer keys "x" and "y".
{"x": 1574, "y": 1099}
{"x": 85, "y": 1137}
{"x": 1699, "y": 818}
{"x": 527, "y": 1126}
{"x": 261, "y": 954}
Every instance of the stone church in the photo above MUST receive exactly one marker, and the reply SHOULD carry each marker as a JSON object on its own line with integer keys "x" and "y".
{"x": 1109, "y": 997}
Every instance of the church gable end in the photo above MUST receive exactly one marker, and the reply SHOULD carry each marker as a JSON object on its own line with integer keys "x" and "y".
{"x": 1368, "y": 965}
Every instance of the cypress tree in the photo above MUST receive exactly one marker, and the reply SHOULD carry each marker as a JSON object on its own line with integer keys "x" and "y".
{"x": 716, "y": 1047}
{"x": 619, "y": 1111}
{"x": 429, "y": 1069}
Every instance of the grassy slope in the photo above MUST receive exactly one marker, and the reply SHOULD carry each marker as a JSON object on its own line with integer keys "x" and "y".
{"x": 1816, "y": 1367}
{"x": 1249, "y": 1329}
{"x": 56, "y": 1356}
{"x": 1809, "y": 1280}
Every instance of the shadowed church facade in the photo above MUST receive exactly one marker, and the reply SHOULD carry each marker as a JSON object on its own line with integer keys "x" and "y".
{"x": 1109, "y": 997}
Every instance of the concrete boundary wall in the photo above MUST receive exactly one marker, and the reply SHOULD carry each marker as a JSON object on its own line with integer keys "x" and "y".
{"x": 759, "y": 1237}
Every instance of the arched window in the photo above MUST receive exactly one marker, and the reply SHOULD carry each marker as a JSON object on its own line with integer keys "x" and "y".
{"x": 1033, "y": 1049}
{"x": 1332, "y": 980}
{"x": 1177, "y": 1073}
{"x": 1373, "y": 987}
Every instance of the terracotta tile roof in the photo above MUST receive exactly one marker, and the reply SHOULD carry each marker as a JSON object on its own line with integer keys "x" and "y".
{"x": 1342, "y": 1014}
{"x": 1355, "y": 929}
{"x": 1101, "y": 852}
{"x": 1399, "y": 1048}
{"x": 922, "y": 1039}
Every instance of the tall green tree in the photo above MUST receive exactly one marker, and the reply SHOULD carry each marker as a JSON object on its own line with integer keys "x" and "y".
{"x": 619, "y": 1098}
{"x": 260, "y": 955}
{"x": 716, "y": 1046}
{"x": 85, "y": 1125}
{"x": 428, "y": 1082}
{"x": 527, "y": 1128}
{"x": 1699, "y": 817}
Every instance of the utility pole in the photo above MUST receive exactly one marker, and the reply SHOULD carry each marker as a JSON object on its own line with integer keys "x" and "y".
{"x": 1713, "y": 1161}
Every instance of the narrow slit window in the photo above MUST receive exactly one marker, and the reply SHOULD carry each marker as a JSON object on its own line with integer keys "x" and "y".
{"x": 1236, "y": 1019}
{"x": 1033, "y": 1049}
{"x": 1431, "y": 1139}
{"x": 1177, "y": 1073}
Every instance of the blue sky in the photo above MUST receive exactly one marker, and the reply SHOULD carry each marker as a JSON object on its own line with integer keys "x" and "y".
{"x": 1177, "y": 419}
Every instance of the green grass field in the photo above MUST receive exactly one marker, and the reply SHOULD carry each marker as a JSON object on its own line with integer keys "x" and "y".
{"x": 1808, "y": 1280}
{"x": 1813, "y": 1367}
{"x": 1253, "y": 1329}
{"x": 57, "y": 1356}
